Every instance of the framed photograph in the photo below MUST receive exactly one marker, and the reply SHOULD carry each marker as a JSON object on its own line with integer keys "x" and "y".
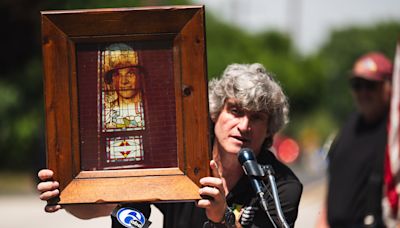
{"x": 126, "y": 103}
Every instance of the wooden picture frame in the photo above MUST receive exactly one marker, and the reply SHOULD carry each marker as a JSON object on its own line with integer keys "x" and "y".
{"x": 74, "y": 43}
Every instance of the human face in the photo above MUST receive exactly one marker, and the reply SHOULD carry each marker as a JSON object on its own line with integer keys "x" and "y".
{"x": 125, "y": 82}
{"x": 236, "y": 128}
{"x": 371, "y": 97}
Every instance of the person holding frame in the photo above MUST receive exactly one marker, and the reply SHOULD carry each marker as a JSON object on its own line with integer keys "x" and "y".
{"x": 247, "y": 107}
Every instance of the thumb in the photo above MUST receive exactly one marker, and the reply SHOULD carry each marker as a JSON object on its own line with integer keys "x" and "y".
{"x": 214, "y": 169}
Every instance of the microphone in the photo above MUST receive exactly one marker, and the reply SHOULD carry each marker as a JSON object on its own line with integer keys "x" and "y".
{"x": 252, "y": 169}
{"x": 255, "y": 172}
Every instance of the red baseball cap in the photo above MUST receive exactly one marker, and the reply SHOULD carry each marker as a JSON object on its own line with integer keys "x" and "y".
{"x": 373, "y": 66}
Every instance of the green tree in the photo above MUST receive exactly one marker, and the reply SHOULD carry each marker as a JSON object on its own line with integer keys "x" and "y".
{"x": 339, "y": 53}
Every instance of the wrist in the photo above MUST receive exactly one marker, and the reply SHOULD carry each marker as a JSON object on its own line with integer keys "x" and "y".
{"x": 227, "y": 220}
{"x": 219, "y": 221}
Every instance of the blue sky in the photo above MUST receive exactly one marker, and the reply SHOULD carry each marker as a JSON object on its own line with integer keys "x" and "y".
{"x": 308, "y": 21}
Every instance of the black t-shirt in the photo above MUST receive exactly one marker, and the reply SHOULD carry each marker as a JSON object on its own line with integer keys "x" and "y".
{"x": 187, "y": 215}
{"x": 356, "y": 172}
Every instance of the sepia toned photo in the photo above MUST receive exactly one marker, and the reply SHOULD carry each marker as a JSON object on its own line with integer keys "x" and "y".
{"x": 121, "y": 92}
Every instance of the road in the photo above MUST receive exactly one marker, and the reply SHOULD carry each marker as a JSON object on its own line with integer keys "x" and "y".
{"x": 26, "y": 210}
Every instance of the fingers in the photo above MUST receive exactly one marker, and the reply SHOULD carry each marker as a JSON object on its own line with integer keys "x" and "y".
{"x": 49, "y": 190}
{"x": 211, "y": 182}
{"x": 52, "y": 208}
{"x": 213, "y": 186}
{"x": 203, "y": 203}
{"x": 47, "y": 186}
{"x": 215, "y": 180}
{"x": 45, "y": 174}
{"x": 213, "y": 194}
{"x": 208, "y": 194}
{"x": 47, "y": 195}
{"x": 214, "y": 204}
{"x": 214, "y": 169}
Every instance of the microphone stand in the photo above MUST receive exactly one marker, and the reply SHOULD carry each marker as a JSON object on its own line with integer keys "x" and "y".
{"x": 271, "y": 179}
{"x": 257, "y": 172}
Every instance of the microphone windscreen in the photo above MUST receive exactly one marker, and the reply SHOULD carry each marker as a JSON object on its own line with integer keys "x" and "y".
{"x": 245, "y": 154}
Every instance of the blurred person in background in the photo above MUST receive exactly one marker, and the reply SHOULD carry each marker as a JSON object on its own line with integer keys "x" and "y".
{"x": 247, "y": 107}
{"x": 356, "y": 157}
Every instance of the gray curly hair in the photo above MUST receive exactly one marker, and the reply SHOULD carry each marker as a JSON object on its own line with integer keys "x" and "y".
{"x": 255, "y": 88}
